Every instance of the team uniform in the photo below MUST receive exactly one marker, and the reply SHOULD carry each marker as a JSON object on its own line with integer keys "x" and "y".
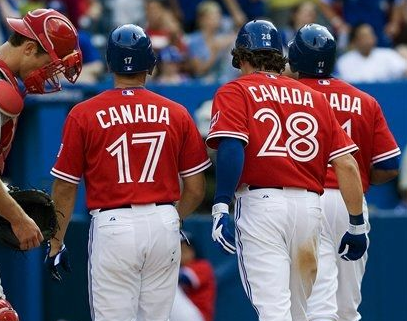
{"x": 131, "y": 146}
{"x": 290, "y": 134}
{"x": 337, "y": 291}
{"x": 195, "y": 301}
{"x": 8, "y": 120}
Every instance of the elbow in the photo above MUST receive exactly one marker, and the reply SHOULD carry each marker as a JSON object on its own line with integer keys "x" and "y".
{"x": 346, "y": 163}
{"x": 378, "y": 176}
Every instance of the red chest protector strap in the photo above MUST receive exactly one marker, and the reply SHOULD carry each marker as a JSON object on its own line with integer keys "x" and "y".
{"x": 11, "y": 100}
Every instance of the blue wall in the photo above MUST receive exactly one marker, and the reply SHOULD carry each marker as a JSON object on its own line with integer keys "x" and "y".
{"x": 33, "y": 293}
{"x": 33, "y": 154}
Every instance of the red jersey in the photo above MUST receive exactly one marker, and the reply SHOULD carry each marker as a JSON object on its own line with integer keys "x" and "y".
{"x": 203, "y": 290}
{"x": 361, "y": 117}
{"x": 290, "y": 131}
{"x": 8, "y": 124}
{"x": 131, "y": 146}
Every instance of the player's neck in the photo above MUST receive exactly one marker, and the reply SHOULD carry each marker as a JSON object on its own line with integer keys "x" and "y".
{"x": 9, "y": 56}
{"x": 126, "y": 81}
{"x": 247, "y": 69}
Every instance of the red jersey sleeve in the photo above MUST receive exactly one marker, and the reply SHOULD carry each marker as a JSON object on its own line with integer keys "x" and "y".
{"x": 193, "y": 157}
{"x": 227, "y": 120}
{"x": 342, "y": 144}
{"x": 384, "y": 144}
{"x": 70, "y": 160}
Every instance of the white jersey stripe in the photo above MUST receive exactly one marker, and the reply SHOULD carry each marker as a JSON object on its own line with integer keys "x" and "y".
{"x": 378, "y": 160}
{"x": 194, "y": 168}
{"x": 393, "y": 152}
{"x": 350, "y": 149}
{"x": 65, "y": 174}
{"x": 203, "y": 166}
{"x": 64, "y": 178}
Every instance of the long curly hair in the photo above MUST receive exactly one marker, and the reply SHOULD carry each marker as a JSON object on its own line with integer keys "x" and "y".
{"x": 263, "y": 60}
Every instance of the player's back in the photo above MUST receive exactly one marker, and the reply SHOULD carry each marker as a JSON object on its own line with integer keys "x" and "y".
{"x": 290, "y": 130}
{"x": 361, "y": 117}
{"x": 135, "y": 144}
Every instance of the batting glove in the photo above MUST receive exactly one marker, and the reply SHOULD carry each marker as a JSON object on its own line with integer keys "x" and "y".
{"x": 356, "y": 240}
{"x": 61, "y": 258}
{"x": 220, "y": 229}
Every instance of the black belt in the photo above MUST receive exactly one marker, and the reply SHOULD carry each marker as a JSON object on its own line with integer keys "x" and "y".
{"x": 129, "y": 206}
{"x": 253, "y": 187}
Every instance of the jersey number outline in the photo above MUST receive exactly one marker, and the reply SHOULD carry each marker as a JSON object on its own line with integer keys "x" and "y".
{"x": 347, "y": 127}
{"x": 120, "y": 149}
{"x": 296, "y": 135}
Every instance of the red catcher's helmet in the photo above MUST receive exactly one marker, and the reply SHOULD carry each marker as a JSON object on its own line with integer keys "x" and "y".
{"x": 59, "y": 38}
{"x": 8, "y": 314}
{"x": 6, "y": 311}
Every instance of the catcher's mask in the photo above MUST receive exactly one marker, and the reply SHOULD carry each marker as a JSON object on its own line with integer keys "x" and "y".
{"x": 59, "y": 38}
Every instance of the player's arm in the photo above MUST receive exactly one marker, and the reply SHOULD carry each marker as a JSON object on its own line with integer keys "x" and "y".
{"x": 63, "y": 194}
{"x": 385, "y": 171}
{"x": 350, "y": 184}
{"x": 229, "y": 167}
{"x": 192, "y": 194}
{"x": 25, "y": 229}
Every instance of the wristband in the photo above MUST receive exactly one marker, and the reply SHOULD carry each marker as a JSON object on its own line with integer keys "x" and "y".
{"x": 356, "y": 219}
{"x": 220, "y": 208}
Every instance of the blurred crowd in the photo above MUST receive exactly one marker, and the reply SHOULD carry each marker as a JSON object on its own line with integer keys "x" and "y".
{"x": 193, "y": 38}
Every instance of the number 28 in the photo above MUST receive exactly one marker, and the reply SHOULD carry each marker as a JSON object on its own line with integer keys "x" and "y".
{"x": 304, "y": 135}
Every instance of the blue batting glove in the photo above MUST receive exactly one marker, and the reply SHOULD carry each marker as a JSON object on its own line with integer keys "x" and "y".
{"x": 61, "y": 258}
{"x": 356, "y": 240}
{"x": 220, "y": 229}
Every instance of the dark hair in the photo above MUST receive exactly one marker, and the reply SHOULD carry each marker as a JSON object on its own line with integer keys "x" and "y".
{"x": 16, "y": 39}
{"x": 265, "y": 60}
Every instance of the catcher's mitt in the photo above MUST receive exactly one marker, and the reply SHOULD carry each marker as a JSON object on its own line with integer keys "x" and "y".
{"x": 39, "y": 206}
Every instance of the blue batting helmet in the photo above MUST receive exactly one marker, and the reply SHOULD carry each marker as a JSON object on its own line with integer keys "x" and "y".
{"x": 129, "y": 50}
{"x": 258, "y": 35}
{"x": 312, "y": 51}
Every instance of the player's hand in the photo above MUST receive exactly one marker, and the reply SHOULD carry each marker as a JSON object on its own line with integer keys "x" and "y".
{"x": 220, "y": 229}
{"x": 356, "y": 240}
{"x": 56, "y": 257}
{"x": 27, "y": 232}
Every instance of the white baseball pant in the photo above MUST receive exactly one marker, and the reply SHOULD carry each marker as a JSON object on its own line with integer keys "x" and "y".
{"x": 336, "y": 294}
{"x": 2, "y": 296}
{"x": 184, "y": 309}
{"x": 133, "y": 265}
{"x": 277, "y": 238}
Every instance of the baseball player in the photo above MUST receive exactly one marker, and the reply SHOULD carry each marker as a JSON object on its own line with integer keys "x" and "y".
{"x": 275, "y": 137}
{"x": 336, "y": 294}
{"x": 43, "y": 44}
{"x": 131, "y": 146}
{"x": 196, "y": 292}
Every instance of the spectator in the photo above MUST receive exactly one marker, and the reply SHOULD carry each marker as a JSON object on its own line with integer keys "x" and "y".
{"x": 239, "y": 11}
{"x": 162, "y": 26}
{"x": 302, "y": 14}
{"x": 93, "y": 66}
{"x": 125, "y": 11}
{"x": 195, "y": 297}
{"x": 170, "y": 60}
{"x": 8, "y": 8}
{"x": 355, "y": 12}
{"x": 280, "y": 11}
{"x": 367, "y": 63}
{"x": 208, "y": 48}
